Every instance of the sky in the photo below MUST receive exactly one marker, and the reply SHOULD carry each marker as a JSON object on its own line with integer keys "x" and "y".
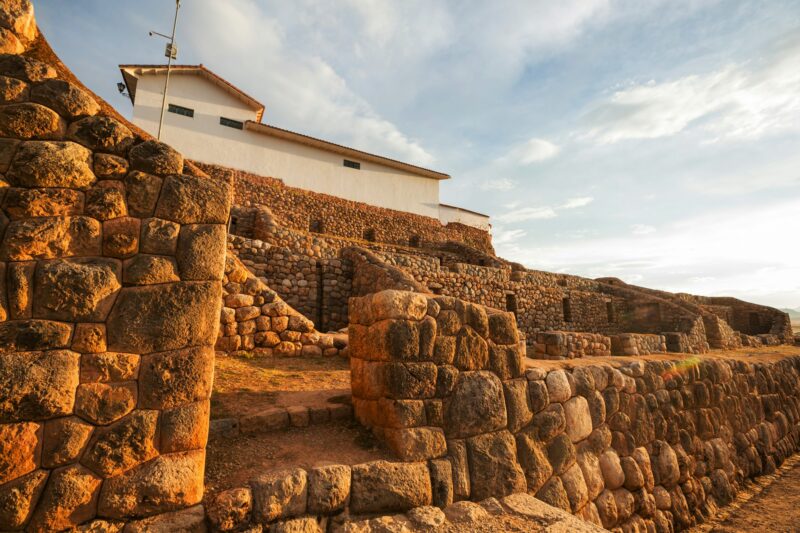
{"x": 657, "y": 141}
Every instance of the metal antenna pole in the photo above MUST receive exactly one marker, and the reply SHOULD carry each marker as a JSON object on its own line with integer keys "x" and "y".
{"x": 169, "y": 67}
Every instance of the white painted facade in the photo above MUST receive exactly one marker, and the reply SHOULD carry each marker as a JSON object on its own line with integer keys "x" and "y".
{"x": 297, "y": 160}
{"x": 449, "y": 213}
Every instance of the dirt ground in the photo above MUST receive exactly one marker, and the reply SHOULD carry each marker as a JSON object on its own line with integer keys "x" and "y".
{"x": 770, "y": 504}
{"x": 232, "y": 462}
{"x": 245, "y": 386}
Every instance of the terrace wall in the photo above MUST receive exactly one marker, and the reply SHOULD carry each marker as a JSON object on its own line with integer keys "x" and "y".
{"x": 651, "y": 445}
{"x": 111, "y": 256}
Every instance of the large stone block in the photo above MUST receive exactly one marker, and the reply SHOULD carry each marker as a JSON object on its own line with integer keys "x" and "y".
{"x": 102, "y": 134}
{"x": 457, "y": 453}
{"x": 185, "y": 428}
{"x": 281, "y": 494}
{"x": 103, "y": 403}
{"x": 194, "y": 200}
{"x": 164, "y": 317}
{"x": 475, "y": 406}
{"x": 25, "y": 68}
{"x": 383, "y": 487}
{"x": 145, "y": 269}
{"x": 123, "y": 445}
{"x": 167, "y": 483}
{"x": 575, "y": 486}
{"x": 416, "y": 444}
{"x": 328, "y": 489}
{"x": 66, "y": 98}
{"x": 20, "y": 449}
{"x": 561, "y": 453}
{"x": 79, "y": 290}
{"x": 553, "y": 493}
{"x": 201, "y": 251}
{"x": 65, "y": 440}
{"x": 50, "y": 237}
{"x": 51, "y": 164}
{"x": 230, "y": 509}
{"x": 142, "y": 194}
{"x": 69, "y": 499}
{"x": 401, "y": 305}
{"x": 18, "y": 499}
{"x": 156, "y": 158}
{"x": 26, "y": 203}
{"x": 579, "y": 421}
{"x": 19, "y": 289}
{"x": 109, "y": 366}
{"x": 441, "y": 482}
{"x": 106, "y": 200}
{"x": 174, "y": 378}
{"x": 394, "y": 340}
{"x": 37, "y": 385}
{"x": 121, "y": 237}
{"x": 493, "y": 467}
{"x": 472, "y": 351}
{"x": 533, "y": 459}
{"x": 503, "y": 328}
{"x": 30, "y": 121}
{"x": 410, "y": 380}
{"x": 516, "y": 396}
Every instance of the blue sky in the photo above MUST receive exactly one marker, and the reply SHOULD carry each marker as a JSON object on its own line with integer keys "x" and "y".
{"x": 653, "y": 140}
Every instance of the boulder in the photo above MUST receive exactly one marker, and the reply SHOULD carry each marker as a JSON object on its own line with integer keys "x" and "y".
{"x": 18, "y": 499}
{"x": 475, "y": 406}
{"x": 69, "y": 498}
{"x": 103, "y": 403}
{"x": 281, "y": 494}
{"x": 89, "y": 338}
{"x": 51, "y": 164}
{"x": 575, "y": 486}
{"x": 611, "y": 467}
{"x": 109, "y": 366}
{"x": 170, "y": 379}
{"x": 472, "y": 352}
{"x": 106, "y": 201}
{"x": 142, "y": 191}
{"x": 50, "y": 237}
{"x": 22, "y": 203}
{"x": 558, "y": 387}
{"x": 191, "y": 520}
{"x": 159, "y": 236}
{"x": 516, "y": 398}
{"x": 328, "y": 489}
{"x": 185, "y": 428}
{"x": 156, "y": 157}
{"x": 192, "y": 309}
{"x": 145, "y": 269}
{"x": 167, "y": 483}
{"x": 110, "y": 167}
{"x": 30, "y": 121}
{"x": 20, "y": 446}
{"x": 553, "y": 492}
{"x": 66, "y": 98}
{"x": 121, "y": 237}
{"x": 404, "y": 305}
{"x": 101, "y": 134}
{"x": 579, "y": 421}
{"x": 123, "y": 445}
{"x": 441, "y": 482}
{"x": 384, "y": 487}
{"x": 65, "y": 440}
{"x": 493, "y": 466}
{"x": 561, "y": 453}
{"x": 194, "y": 200}
{"x": 230, "y": 509}
{"x": 533, "y": 459}
{"x": 201, "y": 251}
{"x": 416, "y": 444}
{"x": 25, "y": 68}
{"x": 37, "y": 385}
{"x": 76, "y": 289}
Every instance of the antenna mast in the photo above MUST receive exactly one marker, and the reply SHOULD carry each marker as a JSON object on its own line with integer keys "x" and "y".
{"x": 171, "y": 52}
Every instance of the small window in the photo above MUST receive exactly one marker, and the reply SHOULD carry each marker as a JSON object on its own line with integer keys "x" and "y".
{"x": 369, "y": 235}
{"x": 611, "y": 312}
{"x": 231, "y": 123}
{"x": 316, "y": 226}
{"x": 414, "y": 241}
{"x": 352, "y": 164}
{"x": 566, "y": 307}
{"x": 234, "y": 225}
{"x": 562, "y": 282}
{"x": 180, "y": 110}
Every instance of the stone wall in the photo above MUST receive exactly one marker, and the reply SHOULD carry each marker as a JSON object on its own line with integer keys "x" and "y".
{"x": 645, "y": 445}
{"x": 254, "y": 319}
{"x": 306, "y": 211}
{"x": 638, "y": 344}
{"x": 570, "y": 345}
{"x": 111, "y": 256}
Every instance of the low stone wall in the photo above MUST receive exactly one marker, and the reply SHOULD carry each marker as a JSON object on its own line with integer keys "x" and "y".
{"x": 646, "y": 445}
{"x": 255, "y": 320}
{"x": 570, "y": 345}
{"x": 280, "y": 418}
{"x": 638, "y": 344}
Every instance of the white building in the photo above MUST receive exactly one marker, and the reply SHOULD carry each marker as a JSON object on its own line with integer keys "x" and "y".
{"x": 210, "y": 120}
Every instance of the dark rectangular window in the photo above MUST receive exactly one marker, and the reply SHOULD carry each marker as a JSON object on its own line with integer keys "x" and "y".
{"x": 352, "y": 164}
{"x": 231, "y": 123}
{"x": 610, "y": 312}
{"x": 180, "y": 110}
{"x": 566, "y": 307}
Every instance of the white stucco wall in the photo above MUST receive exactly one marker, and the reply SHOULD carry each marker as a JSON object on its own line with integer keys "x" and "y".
{"x": 449, "y": 214}
{"x": 203, "y": 138}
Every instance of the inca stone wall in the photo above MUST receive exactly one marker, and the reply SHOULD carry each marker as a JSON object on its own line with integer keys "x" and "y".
{"x": 112, "y": 252}
{"x": 655, "y": 445}
{"x": 320, "y": 213}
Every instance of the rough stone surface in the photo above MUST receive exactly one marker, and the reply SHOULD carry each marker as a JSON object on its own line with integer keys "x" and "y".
{"x": 103, "y": 403}
{"x": 123, "y": 445}
{"x": 383, "y": 487}
{"x": 475, "y": 406}
{"x": 70, "y": 497}
{"x": 494, "y": 470}
{"x": 76, "y": 289}
{"x": 281, "y": 494}
{"x": 579, "y": 421}
{"x": 65, "y": 440}
{"x": 154, "y": 157}
{"x": 193, "y": 200}
{"x": 230, "y": 509}
{"x": 30, "y": 121}
{"x": 20, "y": 447}
{"x": 19, "y": 498}
{"x": 65, "y": 98}
{"x": 51, "y": 164}
{"x": 201, "y": 251}
{"x": 170, "y": 379}
{"x": 328, "y": 488}
{"x": 37, "y": 385}
{"x": 51, "y": 237}
{"x": 100, "y": 133}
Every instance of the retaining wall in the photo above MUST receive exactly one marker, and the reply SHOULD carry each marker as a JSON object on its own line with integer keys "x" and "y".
{"x": 112, "y": 252}
{"x": 655, "y": 444}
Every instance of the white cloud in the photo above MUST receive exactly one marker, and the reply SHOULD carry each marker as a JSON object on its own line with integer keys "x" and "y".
{"x": 499, "y": 184}
{"x": 702, "y": 255}
{"x": 527, "y": 213}
{"x": 573, "y": 203}
{"x": 502, "y": 236}
{"x": 529, "y": 152}
{"x": 737, "y": 101}
{"x": 642, "y": 229}
{"x": 299, "y": 88}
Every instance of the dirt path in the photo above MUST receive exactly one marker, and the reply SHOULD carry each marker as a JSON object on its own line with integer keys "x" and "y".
{"x": 771, "y": 504}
